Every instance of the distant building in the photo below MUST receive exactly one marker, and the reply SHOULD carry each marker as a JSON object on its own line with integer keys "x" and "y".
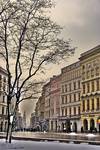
{"x": 3, "y": 99}
{"x": 24, "y": 120}
{"x": 39, "y": 112}
{"x": 55, "y": 83}
{"x": 48, "y": 105}
{"x": 18, "y": 121}
{"x": 33, "y": 120}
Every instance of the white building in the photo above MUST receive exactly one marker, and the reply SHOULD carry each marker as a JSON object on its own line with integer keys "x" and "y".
{"x": 70, "y": 117}
{"x": 3, "y": 100}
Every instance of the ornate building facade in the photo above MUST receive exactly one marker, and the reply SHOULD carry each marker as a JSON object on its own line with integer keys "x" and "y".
{"x": 70, "y": 98}
{"x": 90, "y": 100}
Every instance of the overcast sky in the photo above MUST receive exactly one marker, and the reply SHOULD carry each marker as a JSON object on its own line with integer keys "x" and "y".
{"x": 81, "y": 23}
{"x": 80, "y": 20}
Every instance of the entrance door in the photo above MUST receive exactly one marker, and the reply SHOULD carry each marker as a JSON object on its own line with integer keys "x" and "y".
{"x": 85, "y": 125}
{"x": 75, "y": 127}
{"x": 68, "y": 125}
{"x": 56, "y": 125}
{"x": 92, "y": 125}
{"x": 1, "y": 128}
{"x": 99, "y": 128}
{"x": 51, "y": 125}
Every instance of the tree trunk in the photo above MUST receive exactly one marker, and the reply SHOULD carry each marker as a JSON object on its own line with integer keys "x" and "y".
{"x": 8, "y": 117}
{"x": 12, "y": 125}
{"x": 10, "y": 133}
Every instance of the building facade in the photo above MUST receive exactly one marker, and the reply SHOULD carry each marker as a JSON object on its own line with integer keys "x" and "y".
{"x": 70, "y": 98}
{"x": 90, "y": 100}
{"x": 47, "y": 89}
{"x": 3, "y": 100}
{"x": 24, "y": 120}
{"x": 19, "y": 121}
{"x": 32, "y": 120}
{"x": 54, "y": 103}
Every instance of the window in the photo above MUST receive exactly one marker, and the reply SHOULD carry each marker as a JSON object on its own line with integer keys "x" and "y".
{"x": 4, "y": 87}
{"x": 4, "y": 79}
{"x": 83, "y": 67}
{"x": 62, "y": 89}
{"x": 92, "y": 86}
{"x": 78, "y": 84}
{"x": 98, "y": 103}
{"x": 97, "y": 85}
{"x": 62, "y": 112}
{"x": 70, "y": 111}
{"x": 74, "y": 97}
{"x": 83, "y": 105}
{"x": 83, "y": 76}
{"x": 97, "y": 71}
{"x": 62, "y": 99}
{"x": 70, "y": 87}
{"x": 87, "y": 74}
{"x": 49, "y": 113}
{"x": 88, "y": 87}
{"x": 49, "y": 102}
{"x": 66, "y": 112}
{"x": 88, "y": 105}
{"x": 92, "y": 73}
{"x": 83, "y": 88}
{"x": 79, "y": 110}
{"x": 70, "y": 98}
{"x": 79, "y": 96}
{"x": 74, "y": 85}
{"x": 6, "y": 110}
{"x": 66, "y": 88}
{"x": 0, "y": 77}
{"x": 2, "y": 110}
{"x": 92, "y": 104}
{"x": 66, "y": 99}
{"x": 0, "y": 82}
{"x": 3, "y": 98}
{"x": 74, "y": 110}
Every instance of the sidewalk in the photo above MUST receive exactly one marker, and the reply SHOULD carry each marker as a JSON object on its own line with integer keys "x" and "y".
{"x": 61, "y": 137}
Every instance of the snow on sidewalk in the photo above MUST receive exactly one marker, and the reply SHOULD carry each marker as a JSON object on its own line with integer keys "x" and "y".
{"x": 32, "y": 145}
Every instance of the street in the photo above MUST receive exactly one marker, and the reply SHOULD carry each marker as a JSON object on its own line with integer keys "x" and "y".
{"x": 30, "y": 145}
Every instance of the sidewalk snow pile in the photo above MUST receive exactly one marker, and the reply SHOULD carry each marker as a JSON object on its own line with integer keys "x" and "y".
{"x": 7, "y": 146}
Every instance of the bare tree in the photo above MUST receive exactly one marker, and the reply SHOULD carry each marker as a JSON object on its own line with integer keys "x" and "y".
{"x": 29, "y": 39}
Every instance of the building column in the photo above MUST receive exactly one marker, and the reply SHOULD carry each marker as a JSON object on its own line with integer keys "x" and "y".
{"x": 88, "y": 119}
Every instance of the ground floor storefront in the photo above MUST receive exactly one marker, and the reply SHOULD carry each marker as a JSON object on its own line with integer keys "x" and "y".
{"x": 65, "y": 125}
{"x": 91, "y": 123}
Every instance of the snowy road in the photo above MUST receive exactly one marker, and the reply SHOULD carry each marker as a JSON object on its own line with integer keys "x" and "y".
{"x": 30, "y": 145}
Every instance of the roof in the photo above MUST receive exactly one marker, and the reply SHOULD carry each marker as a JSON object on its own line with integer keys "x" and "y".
{"x": 71, "y": 67}
{"x": 90, "y": 52}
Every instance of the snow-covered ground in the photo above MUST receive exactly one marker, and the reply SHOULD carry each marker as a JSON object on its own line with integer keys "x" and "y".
{"x": 30, "y": 145}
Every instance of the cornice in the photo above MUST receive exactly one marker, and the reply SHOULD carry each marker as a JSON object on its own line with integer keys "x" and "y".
{"x": 90, "y": 53}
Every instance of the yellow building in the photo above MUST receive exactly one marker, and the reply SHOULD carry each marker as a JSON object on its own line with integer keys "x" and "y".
{"x": 90, "y": 101}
